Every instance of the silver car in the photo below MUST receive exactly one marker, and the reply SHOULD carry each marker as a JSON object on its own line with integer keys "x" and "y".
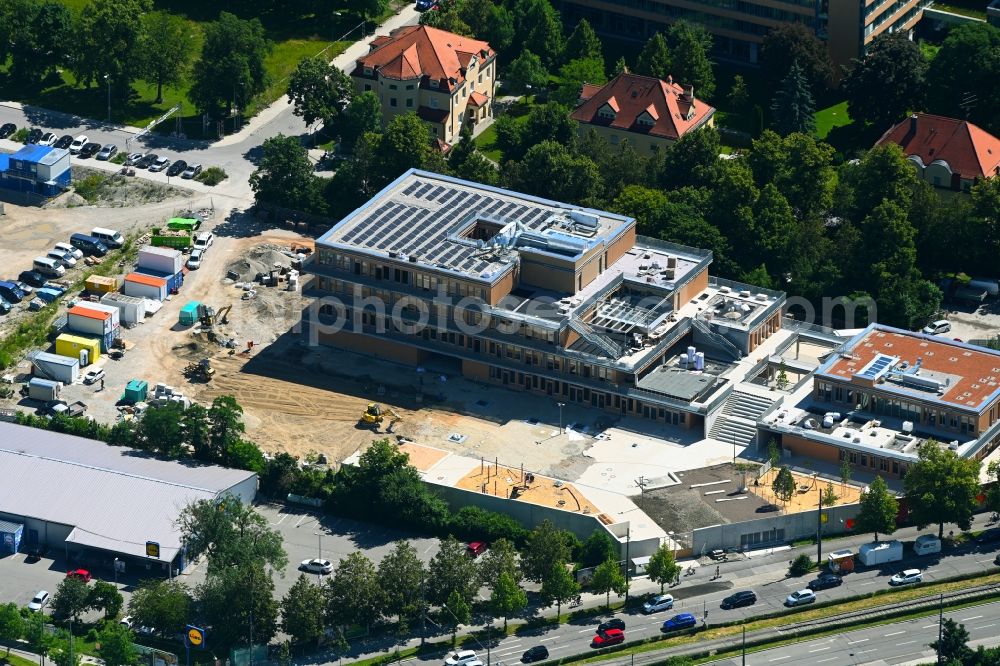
{"x": 160, "y": 164}
{"x": 39, "y": 601}
{"x": 107, "y": 152}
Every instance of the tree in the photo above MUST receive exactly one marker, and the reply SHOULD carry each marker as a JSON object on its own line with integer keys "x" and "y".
{"x": 845, "y": 471}
{"x": 888, "y": 82}
{"x": 490, "y": 22}
{"x": 369, "y": 9}
{"x": 363, "y": 114}
{"x": 546, "y": 547}
{"x": 116, "y": 646}
{"x": 620, "y": 66}
{"x": 953, "y": 646}
{"x": 401, "y": 577}
{"x": 783, "y": 484}
{"x": 231, "y": 68}
{"x": 689, "y": 46}
{"x": 284, "y": 177}
{"x": 877, "y": 510}
{"x": 353, "y": 593}
{"x": 663, "y": 567}
{"x": 526, "y": 73}
{"x": 194, "y": 424}
{"x": 165, "y": 50}
{"x": 739, "y": 94}
{"x": 558, "y": 587}
{"x": 500, "y": 559}
{"x": 11, "y": 624}
{"x": 405, "y": 144}
{"x": 225, "y": 416}
{"x": 608, "y": 578}
{"x": 993, "y": 491}
{"x": 962, "y": 77}
{"x": 451, "y": 570}
{"x": 302, "y": 612}
{"x": 801, "y": 565}
{"x": 599, "y": 547}
{"x": 507, "y": 597}
{"x": 537, "y": 24}
{"x": 61, "y": 648}
{"x": 228, "y": 598}
{"x": 941, "y": 487}
{"x": 456, "y": 612}
{"x": 793, "y": 108}
{"x": 830, "y": 496}
{"x": 105, "y": 596}
{"x": 72, "y": 598}
{"x": 773, "y": 452}
{"x": 162, "y": 605}
{"x": 654, "y": 58}
{"x": 40, "y": 640}
{"x": 583, "y": 44}
{"x": 574, "y": 74}
{"x": 551, "y": 169}
{"x": 793, "y": 42}
{"x": 229, "y": 533}
{"x": 117, "y": 26}
{"x": 319, "y": 90}
{"x": 160, "y": 430}
{"x": 699, "y": 152}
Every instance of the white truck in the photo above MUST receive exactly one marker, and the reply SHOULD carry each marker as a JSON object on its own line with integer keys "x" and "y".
{"x": 880, "y": 552}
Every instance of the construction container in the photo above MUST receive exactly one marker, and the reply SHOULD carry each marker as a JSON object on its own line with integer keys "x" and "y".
{"x": 881, "y": 552}
{"x": 96, "y": 322}
{"x": 174, "y": 280}
{"x": 135, "y": 391}
{"x": 86, "y": 349}
{"x": 179, "y": 240}
{"x": 55, "y": 367}
{"x": 10, "y": 536}
{"x": 98, "y": 284}
{"x": 160, "y": 259}
{"x": 145, "y": 286}
{"x": 43, "y": 389}
{"x": 131, "y": 310}
{"x": 183, "y": 224}
{"x": 189, "y": 313}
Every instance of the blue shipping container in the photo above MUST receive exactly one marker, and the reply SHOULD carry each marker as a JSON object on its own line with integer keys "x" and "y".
{"x": 174, "y": 282}
{"x": 10, "y": 536}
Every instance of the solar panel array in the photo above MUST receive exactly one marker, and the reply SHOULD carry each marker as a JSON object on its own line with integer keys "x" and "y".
{"x": 421, "y": 228}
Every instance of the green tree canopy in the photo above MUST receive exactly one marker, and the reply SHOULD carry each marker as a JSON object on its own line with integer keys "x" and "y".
{"x": 942, "y": 487}
{"x": 105, "y": 596}
{"x": 783, "y": 484}
{"x": 690, "y": 45}
{"x": 793, "y": 42}
{"x": 353, "y": 593}
{"x": 115, "y": 25}
{"x": 227, "y": 599}
{"x": 608, "y": 578}
{"x": 599, "y": 547}
{"x": 319, "y": 90}
{"x": 507, "y": 598}
{"x": 538, "y": 28}
{"x": 654, "y": 58}
{"x": 116, "y": 646}
{"x": 583, "y": 44}
{"x": 71, "y": 599}
{"x": 953, "y": 645}
{"x": 231, "y": 68}
{"x": 302, "y": 612}
{"x": 284, "y": 177}
{"x": 363, "y": 114}
{"x": 559, "y": 586}
{"x": 456, "y": 611}
{"x": 888, "y": 82}
{"x": 526, "y": 73}
{"x": 878, "y": 509}
{"x": 551, "y": 169}
{"x": 165, "y": 49}
{"x": 163, "y": 605}
{"x": 574, "y": 74}
{"x": 793, "y": 107}
{"x": 962, "y": 76}
{"x": 451, "y": 570}
{"x": 663, "y": 567}
{"x": 230, "y": 533}
{"x": 402, "y": 577}
{"x": 501, "y": 558}
{"x": 11, "y": 624}
{"x": 547, "y": 546}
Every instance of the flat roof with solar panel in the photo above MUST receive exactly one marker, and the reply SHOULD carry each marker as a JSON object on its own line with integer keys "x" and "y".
{"x": 475, "y": 231}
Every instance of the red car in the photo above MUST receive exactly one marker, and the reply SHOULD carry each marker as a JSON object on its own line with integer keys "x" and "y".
{"x": 82, "y": 574}
{"x": 476, "y": 548}
{"x": 609, "y": 637}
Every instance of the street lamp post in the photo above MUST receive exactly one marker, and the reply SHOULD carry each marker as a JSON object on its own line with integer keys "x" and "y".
{"x": 108, "y": 79}
{"x": 319, "y": 544}
{"x": 560, "y": 405}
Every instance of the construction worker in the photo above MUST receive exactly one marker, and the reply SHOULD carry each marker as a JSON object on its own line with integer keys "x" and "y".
{"x": 102, "y": 383}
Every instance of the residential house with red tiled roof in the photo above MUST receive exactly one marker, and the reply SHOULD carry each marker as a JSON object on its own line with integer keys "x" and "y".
{"x": 649, "y": 112}
{"x": 446, "y": 79}
{"x": 946, "y": 152}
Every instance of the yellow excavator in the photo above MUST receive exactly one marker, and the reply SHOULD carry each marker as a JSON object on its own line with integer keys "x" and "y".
{"x": 375, "y": 414}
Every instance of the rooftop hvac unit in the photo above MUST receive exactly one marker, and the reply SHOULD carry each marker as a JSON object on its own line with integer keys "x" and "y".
{"x": 584, "y": 219}
{"x": 953, "y": 445}
{"x": 724, "y": 290}
{"x": 761, "y": 297}
{"x": 671, "y": 262}
{"x": 908, "y": 427}
{"x": 745, "y": 293}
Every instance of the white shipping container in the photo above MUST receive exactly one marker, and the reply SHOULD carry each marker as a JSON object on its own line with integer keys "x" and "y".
{"x": 131, "y": 310}
{"x": 101, "y": 307}
{"x": 145, "y": 286}
{"x": 81, "y": 319}
{"x": 161, "y": 259}
{"x": 56, "y": 368}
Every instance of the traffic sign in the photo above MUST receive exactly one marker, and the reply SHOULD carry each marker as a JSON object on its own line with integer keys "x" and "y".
{"x": 152, "y": 549}
{"x": 195, "y": 636}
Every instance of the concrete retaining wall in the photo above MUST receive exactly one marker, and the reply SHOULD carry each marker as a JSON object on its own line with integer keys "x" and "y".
{"x": 773, "y": 531}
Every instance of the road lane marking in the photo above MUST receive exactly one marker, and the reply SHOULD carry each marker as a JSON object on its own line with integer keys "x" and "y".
{"x": 587, "y": 631}
{"x": 929, "y": 626}
{"x": 895, "y": 633}
{"x": 822, "y": 661}
{"x": 820, "y": 649}
{"x": 905, "y": 642}
{"x": 871, "y": 582}
{"x": 974, "y": 617}
{"x": 860, "y": 640}
{"x": 985, "y": 626}
{"x": 558, "y": 647}
{"x": 787, "y": 656}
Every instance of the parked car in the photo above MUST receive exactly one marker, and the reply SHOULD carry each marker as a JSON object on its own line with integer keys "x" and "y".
{"x": 613, "y": 623}
{"x": 194, "y": 260}
{"x": 7, "y": 129}
{"x": 996, "y": 561}
{"x": 133, "y": 159}
{"x": 65, "y": 141}
{"x": 26, "y": 288}
{"x": 533, "y": 654}
{"x": 107, "y": 151}
{"x": 177, "y": 168}
{"x": 160, "y": 164}
{"x": 192, "y": 171}
{"x": 66, "y": 247}
{"x": 89, "y": 150}
{"x": 658, "y": 603}
{"x": 64, "y": 258}
{"x": 609, "y": 637}
{"x": 5, "y": 307}
{"x": 48, "y": 139}
{"x": 11, "y": 292}
{"x": 824, "y": 581}
{"x": 937, "y": 327}
{"x": 317, "y": 565}
{"x": 82, "y": 574}
{"x": 678, "y": 622}
{"x": 78, "y": 144}
{"x": 126, "y": 621}
{"x": 988, "y": 536}
{"x": 741, "y": 598}
{"x": 146, "y": 160}
{"x": 906, "y": 577}
{"x": 476, "y": 548}
{"x": 424, "y": 5}
{"x": 39, "y": 601}
{"x": 93, "y": 376}
{"x": 460, "y": 658}
{"x": 800, "y": 598}
{"x": 34, "y": 278}
{"x": 204, "y": 240}
{"x": 33, "y": 136}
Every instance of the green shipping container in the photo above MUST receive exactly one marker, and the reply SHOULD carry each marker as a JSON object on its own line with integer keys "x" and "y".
{"x": 135, "y": 391}
{"x": 179, "y": 240}
{"x": 183, "y": 224}
{"x": 189, "y": 313}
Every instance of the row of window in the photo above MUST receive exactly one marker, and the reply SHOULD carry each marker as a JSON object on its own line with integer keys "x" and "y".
{"x": 721, "y": 22}
{"x": 379, "y": 271}
{"x": 874, "y": 462}
{"x": 898, "y": 408}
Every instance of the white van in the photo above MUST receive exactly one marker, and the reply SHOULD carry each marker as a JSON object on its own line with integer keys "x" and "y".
{"x": 937, "y": 327}
{"x": 109, "y": 237}
{"x": 927, "y": 544}
{"x": 49, "y": 267}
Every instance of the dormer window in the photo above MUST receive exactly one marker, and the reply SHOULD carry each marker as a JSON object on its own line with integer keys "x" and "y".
{"x": 368, "y": 71}
{"x": 644, "y": 120}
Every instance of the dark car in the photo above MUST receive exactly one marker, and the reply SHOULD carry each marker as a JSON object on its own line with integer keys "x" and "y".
{"x": 996, "y": 560}
{"x": 34, "y": 278}
{"x": 11, "y": 292}
{"x": 742, "y": 598}
{"x": 424, "y": 5}
{"x": 90, "y": 149}
{"x": 146, "y": 160}
{"x": 825, "y": 581}
{"x": 7, "y": 129}
{"x": 677, "y": 622}
{"x": 64, "y": 141}
{"x": 533, "y": 654}
{"x": 4, "y": 306}
{"x": 34, "y": 135}
{"x": 177, "y": 168}
{"x": 989, "y": 536}
{"x": 613, "y": 623}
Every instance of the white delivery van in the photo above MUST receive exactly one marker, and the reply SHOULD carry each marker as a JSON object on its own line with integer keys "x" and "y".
{"x": 49, "y": 267}
{"x": 109, "y": 237}
{"x": 927, "y": 544}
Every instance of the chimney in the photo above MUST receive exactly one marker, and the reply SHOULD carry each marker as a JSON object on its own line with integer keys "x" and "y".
{"x": 688, "y": 93}
{"x": 670, "y": 80}
{"x": 913, "y": 124}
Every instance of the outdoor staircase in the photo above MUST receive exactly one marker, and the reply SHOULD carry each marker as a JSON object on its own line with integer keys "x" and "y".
{"x": 717, "y": 339}
{"x": 38, "y": 370}
{"x": 737, "y": 420}
{"x": 609, "y": 346}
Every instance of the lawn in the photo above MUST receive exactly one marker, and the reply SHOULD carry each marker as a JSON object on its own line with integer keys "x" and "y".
{"x": 486, "y": 142}
{"x": 831, "y": 117}
{"x": 963, "y": 8}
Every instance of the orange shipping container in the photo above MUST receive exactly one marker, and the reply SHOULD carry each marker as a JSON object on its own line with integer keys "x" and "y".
{"x": 98, "y": 284}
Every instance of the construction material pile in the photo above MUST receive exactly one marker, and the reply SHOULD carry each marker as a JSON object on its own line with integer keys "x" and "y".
{"x": 260, "y": 260}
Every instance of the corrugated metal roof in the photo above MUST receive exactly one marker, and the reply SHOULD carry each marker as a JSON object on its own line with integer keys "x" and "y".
{"x": 9, "y": 527}
{"x": 90, "y": 313}
{"x": 32, "y": 153}
{"x": 116, "y": 498}
{"x": 142, "y": 278}
{"x": 78, "y": 339}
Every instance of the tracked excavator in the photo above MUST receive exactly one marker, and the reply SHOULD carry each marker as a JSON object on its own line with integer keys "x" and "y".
{"x": 375, "y": 415}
